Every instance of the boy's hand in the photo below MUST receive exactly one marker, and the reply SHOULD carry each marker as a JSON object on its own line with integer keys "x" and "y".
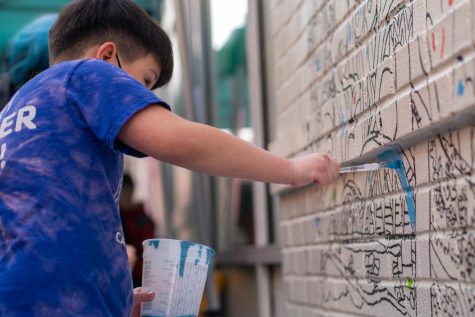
{"x": 316, "y": 168}
{"x": 140, "y": 296}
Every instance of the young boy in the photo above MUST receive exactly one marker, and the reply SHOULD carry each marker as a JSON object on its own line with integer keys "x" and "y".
{"x": 62, "y": 251}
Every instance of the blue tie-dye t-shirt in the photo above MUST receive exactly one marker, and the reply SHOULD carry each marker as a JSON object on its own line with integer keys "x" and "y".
{"x": 62, "y": 249}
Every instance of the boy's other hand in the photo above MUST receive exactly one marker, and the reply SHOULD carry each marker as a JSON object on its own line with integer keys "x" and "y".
{"x": 317, "y": 168}
{"x": 140, "y": 296}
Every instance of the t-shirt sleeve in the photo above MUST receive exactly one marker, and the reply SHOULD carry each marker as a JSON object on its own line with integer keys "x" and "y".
{"x": 107, "y": 97}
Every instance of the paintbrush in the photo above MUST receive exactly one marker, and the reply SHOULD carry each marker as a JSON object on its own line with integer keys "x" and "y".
{"x": 368, "y": 167}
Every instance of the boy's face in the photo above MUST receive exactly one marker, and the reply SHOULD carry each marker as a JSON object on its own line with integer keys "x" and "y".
{"x": 145, "y": 69}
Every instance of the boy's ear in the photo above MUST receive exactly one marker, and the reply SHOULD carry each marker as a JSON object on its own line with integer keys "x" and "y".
{"x": 107, "y": 52}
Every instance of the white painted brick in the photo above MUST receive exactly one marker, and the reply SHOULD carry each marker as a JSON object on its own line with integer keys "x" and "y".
{"x": 452, "y": 296}
{"x": 419, "y": 16}
{"x": 352, "y": 79}
{"x": 440, "y": 37}
{"x": 315, "y": 290}
{"x": 385, "y": 8}
{"x": 456, "y": 211}
{"x": 390, "y": 127}
{"x": 386, "y": 79}
{"x": 298, "y": 233}
{"x": 423, "y": 261}
{"x": 285, "y": 234}
{"x": 313, "y": 260}
{"x": 419, "y": 57}
{"x": 301, "y": 262}
{"x": 341, "y": 41}
{"x": 286, "y": 268}
{"x": 451, "y": 155}
{"x": 454, "y": 254}
{"x": 462, "y": 27}
{"x": 442, "y": 92}
{"x": 277, "y": 17}
{"x": 280, "y": 72}
{"x": 364, "y": 297}
{"x": 435, "y": 10}
{"x": 464, "y": 87}
{"x": 402, "y": 67}
{"x": 473, "y": 20}
{"x": 313, "y": 32}
{"x": 274, "y": 3}
{"x": 329, "y": 119}
{"x": 415, "y": 110}
{"x": 281, "y": 43}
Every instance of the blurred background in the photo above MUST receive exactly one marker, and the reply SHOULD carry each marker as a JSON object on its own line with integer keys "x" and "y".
{"x": 220, "y": 79}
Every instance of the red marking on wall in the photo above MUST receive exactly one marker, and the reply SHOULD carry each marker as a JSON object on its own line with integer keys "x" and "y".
{"x": 451, "y": 2}
{"x": 443, "y": 44}
{"x": 433, "y": 41}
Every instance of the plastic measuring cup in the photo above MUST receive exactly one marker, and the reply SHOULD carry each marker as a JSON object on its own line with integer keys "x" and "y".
{"x": 176, "y": 271}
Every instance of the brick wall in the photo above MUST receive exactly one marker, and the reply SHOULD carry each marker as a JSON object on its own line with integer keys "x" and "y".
{"x": 366, "y": 81}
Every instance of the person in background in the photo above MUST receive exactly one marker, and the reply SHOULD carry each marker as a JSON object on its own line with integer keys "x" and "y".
{"x": 136, "y": 224}
{"x": 26, "y": 56}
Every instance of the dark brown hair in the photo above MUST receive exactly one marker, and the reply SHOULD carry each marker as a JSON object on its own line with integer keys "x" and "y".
{"x": 84, "y": 23}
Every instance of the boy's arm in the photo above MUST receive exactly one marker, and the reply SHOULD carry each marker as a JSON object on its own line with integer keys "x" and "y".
{"x": 165, "y": 136}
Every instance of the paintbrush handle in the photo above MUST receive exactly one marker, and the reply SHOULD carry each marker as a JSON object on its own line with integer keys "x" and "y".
{"x": 360, "y": 168}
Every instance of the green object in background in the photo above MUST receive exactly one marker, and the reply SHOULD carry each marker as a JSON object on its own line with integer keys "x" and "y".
{"x": 15, "y": 14}
{"x": 27, "y": 50}
{"x": 232, "y": 83}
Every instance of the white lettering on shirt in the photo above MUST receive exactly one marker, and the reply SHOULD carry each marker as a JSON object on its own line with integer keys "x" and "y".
{"x": 119, "y": 237}
{"x": 25, "y": 118}
{"x": 5, "y": 125}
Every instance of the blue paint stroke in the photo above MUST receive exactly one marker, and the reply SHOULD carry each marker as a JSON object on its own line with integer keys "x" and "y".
{"x": 317, "y": 63}
{"x": 317, "y": 222}
{"x": 209, "y": 255}
{"x": 397, "y": 164}
{"x": 343, "y": 122}
{"x": 460, "y": 88}
{"x": 154, "y": 243}
{"x": 185, "y": 246}
{"x": 348, "y": 34}
{"x": 197, "y": 260}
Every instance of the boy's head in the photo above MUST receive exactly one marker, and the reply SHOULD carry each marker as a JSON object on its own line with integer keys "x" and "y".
{"x": 117, "y": 31}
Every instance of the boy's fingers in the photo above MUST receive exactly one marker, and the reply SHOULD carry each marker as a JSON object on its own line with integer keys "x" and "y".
{"x": 331, "y": 172}
{"x": 337, "y": 166}
{"x": 143, "y": 296}
{"x": 330, "y": 175}
{"x": 324, "y": 176}
{"x": 334, "y": 168}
